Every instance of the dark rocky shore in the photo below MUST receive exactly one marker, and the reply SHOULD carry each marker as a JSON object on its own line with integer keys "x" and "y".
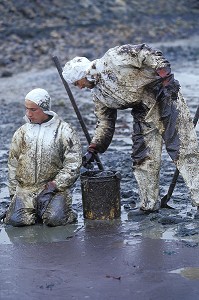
{"x": 32, "y": 31}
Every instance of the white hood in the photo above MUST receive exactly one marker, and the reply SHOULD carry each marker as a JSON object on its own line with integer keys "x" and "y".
{"x": 41, "y": 98}
{"x": 76, "y": 69}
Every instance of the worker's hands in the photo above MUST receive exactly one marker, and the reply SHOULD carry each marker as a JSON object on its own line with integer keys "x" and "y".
{"x": 87, "y": 160}
{"x": 51, "y": 187}
{"x": 89, "y": 157}
{"x": 165, "y": 74}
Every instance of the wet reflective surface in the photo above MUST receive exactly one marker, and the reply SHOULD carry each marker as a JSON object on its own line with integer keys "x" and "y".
{"x": 189, "y": 272}
{"x": 101, "y": 260}
{"x": 37, "y": 234}
{"x": 135, "y": 257}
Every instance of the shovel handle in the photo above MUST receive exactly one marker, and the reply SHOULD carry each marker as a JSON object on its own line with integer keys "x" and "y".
{"x": 196, "y": 117}
{"x": 81, "y": 121}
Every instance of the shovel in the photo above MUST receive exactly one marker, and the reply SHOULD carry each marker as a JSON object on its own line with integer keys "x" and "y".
{"x": 167, "y": 197}
{"x": 59, "y": 69}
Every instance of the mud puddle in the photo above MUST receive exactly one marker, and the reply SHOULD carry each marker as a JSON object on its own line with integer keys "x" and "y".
{"x": 191, "y": 273}
{"x": 132, "y": 230}
{"x": 38, "y": 234}
{"x": 164, "y": 225}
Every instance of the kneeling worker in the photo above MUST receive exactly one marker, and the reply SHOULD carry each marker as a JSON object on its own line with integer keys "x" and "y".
{"x": 44, "y": 162}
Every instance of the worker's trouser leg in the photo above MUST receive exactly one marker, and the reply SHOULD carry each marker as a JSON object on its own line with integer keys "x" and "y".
{"x": 53, "y": 209}
{"x": 147, "y": 148}
{"x": 170, "y": 116}
{"x": 21, "y": 211}
{"x": 188, "y": 160}
{"x": 180, "y": 138}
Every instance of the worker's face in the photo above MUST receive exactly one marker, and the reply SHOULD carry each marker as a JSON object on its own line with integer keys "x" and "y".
{"x": 34, "y": 113}
{"x": 84, "y": 83}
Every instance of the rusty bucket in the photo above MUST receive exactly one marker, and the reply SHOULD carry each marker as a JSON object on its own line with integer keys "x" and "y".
{"x": 101, "y": 194}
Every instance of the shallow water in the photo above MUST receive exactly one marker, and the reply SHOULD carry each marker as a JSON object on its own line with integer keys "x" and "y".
{"x": 37, "y": 234}
{"x": 191, "y": 273}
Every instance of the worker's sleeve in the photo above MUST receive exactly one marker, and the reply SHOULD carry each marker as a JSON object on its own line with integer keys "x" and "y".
{"x": 14, "y": 152}
{"x": 143, "y": 57}
{"x": 105, "y": 127}
{"x": 72, "y": 159}
{"x": 139, "y": 56}
{"x": 152, "y": 58}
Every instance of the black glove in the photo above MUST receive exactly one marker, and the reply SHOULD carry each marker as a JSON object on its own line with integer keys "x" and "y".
{"x": 87, "y": 160}
{"x": 44, "y": 198}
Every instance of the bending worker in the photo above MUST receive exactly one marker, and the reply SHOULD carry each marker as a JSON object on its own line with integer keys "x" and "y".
{"x": 140, "y": 78}
{"x": 44, "y": 162}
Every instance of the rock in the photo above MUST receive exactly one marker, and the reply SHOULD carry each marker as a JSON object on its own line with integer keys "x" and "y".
{"x": 6, "y": 74}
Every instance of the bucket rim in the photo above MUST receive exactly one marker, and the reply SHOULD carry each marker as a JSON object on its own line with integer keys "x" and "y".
{"x": 86, "y": 174}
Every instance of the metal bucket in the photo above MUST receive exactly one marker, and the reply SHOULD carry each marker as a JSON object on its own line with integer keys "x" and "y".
{"x": 101, "y": 194}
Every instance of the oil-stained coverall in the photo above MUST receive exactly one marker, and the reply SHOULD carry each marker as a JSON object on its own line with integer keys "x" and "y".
{"x": 40, "y": 153}
{"x": 140, "y": 78}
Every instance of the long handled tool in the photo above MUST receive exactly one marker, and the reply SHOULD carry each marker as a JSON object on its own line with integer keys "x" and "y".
{"x": 59, "y": 68}
{"x": 167, "y": 197}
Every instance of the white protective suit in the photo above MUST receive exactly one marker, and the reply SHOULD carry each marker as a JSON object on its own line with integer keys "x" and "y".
{"x": 129, "y": 76}
{"x": 41, "y": 153}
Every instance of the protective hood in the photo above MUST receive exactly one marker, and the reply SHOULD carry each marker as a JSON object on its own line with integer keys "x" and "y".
{"x": 76, "y": 69}
{"x": 41, "y": 98}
